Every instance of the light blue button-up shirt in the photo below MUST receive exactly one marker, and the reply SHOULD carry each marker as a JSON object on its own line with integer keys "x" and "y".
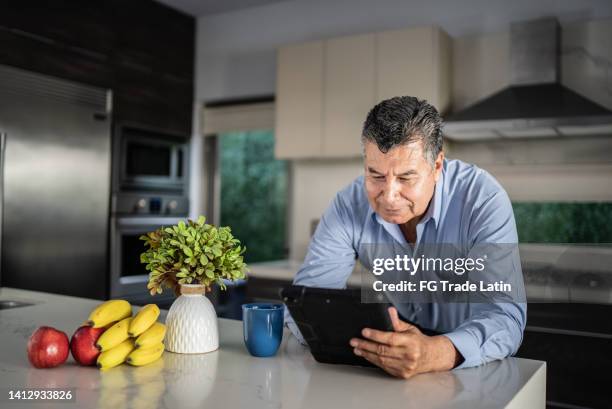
{"x": 469, "y": 207}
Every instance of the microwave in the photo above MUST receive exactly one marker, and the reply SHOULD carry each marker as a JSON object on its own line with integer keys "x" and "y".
{"x": 150, "y": 160}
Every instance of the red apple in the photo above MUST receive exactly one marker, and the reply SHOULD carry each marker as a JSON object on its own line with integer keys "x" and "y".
{"x": 47, "y": 347}
{"x": 83, "y": 344}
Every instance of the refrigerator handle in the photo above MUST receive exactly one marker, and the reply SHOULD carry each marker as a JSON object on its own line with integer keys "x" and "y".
{"x": 3, "y": 137}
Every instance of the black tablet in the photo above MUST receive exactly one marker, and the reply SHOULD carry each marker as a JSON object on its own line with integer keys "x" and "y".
{"x": 328, "y": 319}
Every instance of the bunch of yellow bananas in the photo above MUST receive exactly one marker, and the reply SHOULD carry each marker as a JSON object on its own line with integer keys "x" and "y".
{"x": 136, "y": 340}
{"x": 149, "y": 336}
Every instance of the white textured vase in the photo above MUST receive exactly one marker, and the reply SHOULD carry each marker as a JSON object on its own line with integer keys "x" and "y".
{"x": 192, "y": 322}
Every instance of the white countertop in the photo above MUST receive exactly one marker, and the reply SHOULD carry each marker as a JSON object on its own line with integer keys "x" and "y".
{"x": 278, "y": 270}
{"x": 231, "y": 378}
{"x": 286, "y": 269}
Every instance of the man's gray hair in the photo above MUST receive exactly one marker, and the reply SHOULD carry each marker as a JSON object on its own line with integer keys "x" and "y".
{"x": 403, "y": 120}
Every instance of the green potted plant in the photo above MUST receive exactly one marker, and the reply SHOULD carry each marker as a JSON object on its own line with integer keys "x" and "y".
{"x": 189, "y": 258}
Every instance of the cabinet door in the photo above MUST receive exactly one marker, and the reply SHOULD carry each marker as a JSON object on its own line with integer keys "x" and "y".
{"x": 53, "y": 59}
{"x": 299, "y": 97}
{"x": 162, "y": 41}
{"x": 145, "y": 98}
{"x": 80, "y": 26}
{"x": 415, "y": 62}
{"x": 350, "y": 93}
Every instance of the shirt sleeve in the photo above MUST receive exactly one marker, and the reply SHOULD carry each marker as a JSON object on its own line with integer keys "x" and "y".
{"x": 331, "y": 255}
{"x": 494, "y": 330}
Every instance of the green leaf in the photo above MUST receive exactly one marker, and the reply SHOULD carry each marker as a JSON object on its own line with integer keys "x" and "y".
{"x": 192, "y": 252}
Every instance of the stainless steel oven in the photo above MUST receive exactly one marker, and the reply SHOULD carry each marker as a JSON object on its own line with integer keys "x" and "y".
{"x": 128, "y": 276}
{"x": 150, "y": 190}
{"x": 150, "y": 160}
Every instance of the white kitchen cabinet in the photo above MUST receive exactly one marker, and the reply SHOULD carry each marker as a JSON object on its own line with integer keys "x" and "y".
{"x": 299, "y": 97}
{"x": 349, "y": 92}
{"x": 416, "y": 62}
{"x": 326, "y": 88}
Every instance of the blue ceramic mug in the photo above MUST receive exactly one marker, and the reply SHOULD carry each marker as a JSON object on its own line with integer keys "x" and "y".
{"x": 262, "y": 324}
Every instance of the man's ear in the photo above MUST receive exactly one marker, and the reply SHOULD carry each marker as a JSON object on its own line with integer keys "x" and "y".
{"x": 438, "y": 166}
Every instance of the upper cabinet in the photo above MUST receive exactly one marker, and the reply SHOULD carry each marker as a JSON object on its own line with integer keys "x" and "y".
{"x": 299, "y": 92}
{"x": 417, "y": 62}
{"x": 141, "y": 49}
{"x": 326, "y": 88}
{"x": 349, "y": 93}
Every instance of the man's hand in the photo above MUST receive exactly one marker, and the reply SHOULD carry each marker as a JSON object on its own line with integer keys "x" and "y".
{"x": 406, "y": 351}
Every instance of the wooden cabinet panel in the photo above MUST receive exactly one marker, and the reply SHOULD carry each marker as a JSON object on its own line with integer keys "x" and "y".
{"x": 50, "y": 59}
{"x": 147, "y": 99}
{"x": 151, "y": 35}
{"x": 299, "y": 95}
{"x": 349, "y": 93}
{"x": 154, "y": 65}
{"x": 414, "y": 62}
{"x": 71, "y": 23}
{"x": 140, "y": 32}
{"x": 141, "y": 49}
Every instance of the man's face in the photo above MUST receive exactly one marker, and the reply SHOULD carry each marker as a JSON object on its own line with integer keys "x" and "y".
{"x": 400, "y": 183}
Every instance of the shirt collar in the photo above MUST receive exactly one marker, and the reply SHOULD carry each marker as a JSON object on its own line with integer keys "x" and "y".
{"x": 435, "y": 205}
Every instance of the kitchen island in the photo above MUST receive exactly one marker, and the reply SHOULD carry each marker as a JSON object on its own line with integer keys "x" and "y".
{"x": 231, "y": 378}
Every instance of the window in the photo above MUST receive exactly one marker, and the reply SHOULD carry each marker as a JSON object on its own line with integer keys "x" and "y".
{"x": 563, "y": 222}
{"x": 253, "y": 193}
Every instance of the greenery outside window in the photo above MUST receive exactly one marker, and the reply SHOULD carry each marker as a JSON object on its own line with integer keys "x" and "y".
{"x": 253, "y": 193}
{"x": 588, "y": 223}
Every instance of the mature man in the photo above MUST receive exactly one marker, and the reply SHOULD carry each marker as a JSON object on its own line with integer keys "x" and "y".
{"x": 411, "y": 194}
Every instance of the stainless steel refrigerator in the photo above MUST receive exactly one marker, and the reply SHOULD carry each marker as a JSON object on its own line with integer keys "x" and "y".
{"x": 56, "y": 184}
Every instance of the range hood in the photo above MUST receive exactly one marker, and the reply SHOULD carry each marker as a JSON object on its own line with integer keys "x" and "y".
{"x": 535, "y": 104}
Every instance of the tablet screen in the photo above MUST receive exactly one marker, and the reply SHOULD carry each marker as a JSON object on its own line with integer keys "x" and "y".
{"x": 329, "y": 318}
